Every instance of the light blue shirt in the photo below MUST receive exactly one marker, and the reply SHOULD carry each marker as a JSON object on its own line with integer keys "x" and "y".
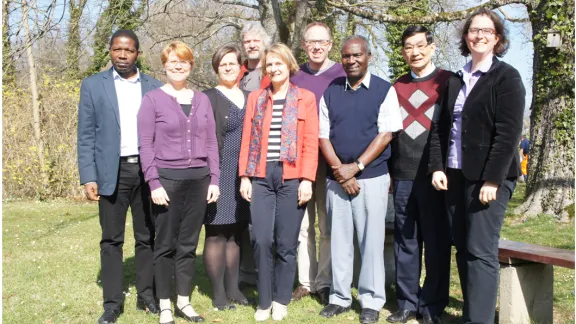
{"x": 470, "y": 78}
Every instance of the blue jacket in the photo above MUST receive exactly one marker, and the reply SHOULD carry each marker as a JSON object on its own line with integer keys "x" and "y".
{"x": 99, "y": 129}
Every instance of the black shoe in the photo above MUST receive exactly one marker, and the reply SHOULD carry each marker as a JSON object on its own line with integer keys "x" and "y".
{"x": 243, "y": 302}
{"x": 149, "y": 306}
{"x": 324, "y": 295}
{"x": 401, "y": 316}
{"x": 368, "y": 316}
{"x": 109, "y": 317}
{"x": 195, "y": 319}
{"x": 333, "y": 310}
{"x": 428, "y": 319}
{"x": 166, "y": 309}
{"x": 225, "y": 307}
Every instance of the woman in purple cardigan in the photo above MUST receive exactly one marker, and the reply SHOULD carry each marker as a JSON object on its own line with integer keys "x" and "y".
{"x": 179, "y": 154}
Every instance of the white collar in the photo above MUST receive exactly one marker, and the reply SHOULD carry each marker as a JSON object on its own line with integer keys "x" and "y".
{"x": 117, "y": 76}
{"x": 365, "y": 82}
{"x": 428, "y": 71}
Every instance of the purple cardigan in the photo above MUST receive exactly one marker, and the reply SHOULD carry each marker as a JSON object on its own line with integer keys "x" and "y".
{"x": 169, "y": 139}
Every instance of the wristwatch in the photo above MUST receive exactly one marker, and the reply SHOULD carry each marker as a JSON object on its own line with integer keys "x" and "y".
{"x": 360, "y": 165}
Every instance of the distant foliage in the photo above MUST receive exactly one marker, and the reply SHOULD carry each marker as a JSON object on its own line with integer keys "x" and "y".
{"x": 59, "y": 115}
{"x": 396, "y": 65}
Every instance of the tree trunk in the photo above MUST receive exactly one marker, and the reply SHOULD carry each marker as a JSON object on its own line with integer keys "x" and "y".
{"x": 550, "y": 187}
{"x": 35, "y": 100}
{"x": 267, "y": 19}
{"x": 9, "y": 73}
{"x": 300, "y": 21}
{"x": 74, "y": 42}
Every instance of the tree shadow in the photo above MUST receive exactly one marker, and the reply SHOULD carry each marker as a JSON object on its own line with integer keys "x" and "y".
{"x": 67, "y": 222}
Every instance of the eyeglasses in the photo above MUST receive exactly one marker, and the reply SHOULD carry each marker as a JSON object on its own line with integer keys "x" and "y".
{"x": 223, "y": 66}
{"x": 410, "y": 48}
{"x": 322, "y": 43}
{"x": 485, "y": 31}
{"x": 175, "y": 63}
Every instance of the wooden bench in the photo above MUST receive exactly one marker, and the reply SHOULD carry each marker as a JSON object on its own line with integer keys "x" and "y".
{"x": 526, "y": 278}
{"x": 527, "y": 281}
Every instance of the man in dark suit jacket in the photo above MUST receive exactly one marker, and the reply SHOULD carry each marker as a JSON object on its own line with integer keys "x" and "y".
{"x": 110, "y": 171}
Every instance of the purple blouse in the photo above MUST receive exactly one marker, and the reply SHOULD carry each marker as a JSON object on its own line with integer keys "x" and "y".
{"x": 170, "y": 139}
{"x": 470, "y": 78}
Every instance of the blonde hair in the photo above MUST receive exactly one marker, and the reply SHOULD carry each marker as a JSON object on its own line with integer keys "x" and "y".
{"x": 285, "y": 55}
{"x": 180, "y": 49}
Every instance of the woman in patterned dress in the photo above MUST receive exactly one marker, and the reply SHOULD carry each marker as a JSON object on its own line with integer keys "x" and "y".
{"x": 226, "y": 219}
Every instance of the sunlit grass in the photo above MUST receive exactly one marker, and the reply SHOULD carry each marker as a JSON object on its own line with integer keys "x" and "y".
{"x": 51, "y": 268}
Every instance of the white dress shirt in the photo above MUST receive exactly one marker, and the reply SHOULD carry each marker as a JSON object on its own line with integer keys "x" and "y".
{"x": 389, "y": 117}
{"x": 129, "y": 94}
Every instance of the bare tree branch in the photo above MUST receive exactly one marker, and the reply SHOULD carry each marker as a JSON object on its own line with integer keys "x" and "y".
{"x": 512, "y": 19}
{"x": 237, "y": 3}
{"x": 430, "y": 19}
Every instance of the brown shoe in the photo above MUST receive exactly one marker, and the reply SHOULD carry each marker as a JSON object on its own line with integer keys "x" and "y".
{"x": 299, "y": 293}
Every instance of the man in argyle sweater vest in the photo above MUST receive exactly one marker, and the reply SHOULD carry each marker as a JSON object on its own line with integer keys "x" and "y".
{"x": 420, "y": 212}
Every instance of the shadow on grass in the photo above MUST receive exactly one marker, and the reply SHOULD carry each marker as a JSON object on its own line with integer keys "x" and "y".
{"x": 67, "y": 222}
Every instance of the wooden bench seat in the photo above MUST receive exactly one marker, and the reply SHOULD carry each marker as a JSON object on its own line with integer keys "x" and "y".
{"x": 510, "y": 252}
{"x": 527, "y": 281}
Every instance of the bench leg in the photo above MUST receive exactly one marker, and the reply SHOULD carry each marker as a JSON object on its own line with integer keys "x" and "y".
{"x": 526, "y": 294}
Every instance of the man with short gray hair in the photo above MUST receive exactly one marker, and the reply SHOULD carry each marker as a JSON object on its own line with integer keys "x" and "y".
{"x": 254, "y": 42}
{"x": 358, "y": 115}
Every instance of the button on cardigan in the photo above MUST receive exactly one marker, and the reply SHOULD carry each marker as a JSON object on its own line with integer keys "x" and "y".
{"x": 170, "y": 139}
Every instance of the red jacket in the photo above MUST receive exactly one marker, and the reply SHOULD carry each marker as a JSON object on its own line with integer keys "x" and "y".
{"x": 307, "y": 161}
{"x": 244, "y": 69}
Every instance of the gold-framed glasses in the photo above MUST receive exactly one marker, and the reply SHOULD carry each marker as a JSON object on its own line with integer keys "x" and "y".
{"x": 322, "y": 42}
{"x": 410, "y": 48}
{"x": 485, "y": 31}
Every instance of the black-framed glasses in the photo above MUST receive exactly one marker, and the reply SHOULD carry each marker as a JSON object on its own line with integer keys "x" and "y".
{"x": 485, "y": 31}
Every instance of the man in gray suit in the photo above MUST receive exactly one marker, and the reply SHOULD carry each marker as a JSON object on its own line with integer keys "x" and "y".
{"x": 110, "y": 171}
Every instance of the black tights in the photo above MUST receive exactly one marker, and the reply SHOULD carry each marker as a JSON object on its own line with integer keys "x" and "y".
{"x": 222, "y": 261}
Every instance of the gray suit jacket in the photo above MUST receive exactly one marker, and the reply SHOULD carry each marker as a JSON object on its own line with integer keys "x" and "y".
{"x": 99, "y": 129}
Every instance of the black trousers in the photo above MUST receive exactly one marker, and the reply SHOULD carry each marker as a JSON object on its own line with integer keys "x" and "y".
{"x": 247, "y": 269}
{"x": 421, "y": 220}
{"x": 177, "y": 231}
{"x": 476, "y": 231}
{"x": 132, "y": 192}
{"x": 275, "y": 218}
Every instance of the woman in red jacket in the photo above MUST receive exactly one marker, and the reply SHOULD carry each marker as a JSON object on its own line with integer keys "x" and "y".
{"x": 278, "y": 161}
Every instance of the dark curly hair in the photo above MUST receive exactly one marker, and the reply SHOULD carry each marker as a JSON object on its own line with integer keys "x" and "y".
{"x": 503, "y": 44}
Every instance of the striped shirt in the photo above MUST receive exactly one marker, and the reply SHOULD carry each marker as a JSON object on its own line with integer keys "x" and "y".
{"x": 275, "y": 131}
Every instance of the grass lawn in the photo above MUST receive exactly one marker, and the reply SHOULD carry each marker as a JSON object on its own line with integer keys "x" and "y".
{"x": 51, "y": 269}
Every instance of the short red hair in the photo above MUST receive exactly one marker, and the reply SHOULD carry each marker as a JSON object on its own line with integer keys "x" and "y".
{"x": 180, "y": 49}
